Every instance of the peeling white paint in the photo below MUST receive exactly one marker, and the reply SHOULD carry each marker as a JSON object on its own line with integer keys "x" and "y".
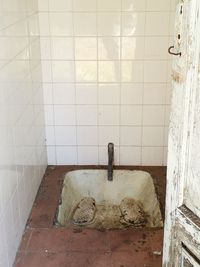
{"x": 183, "y": 178}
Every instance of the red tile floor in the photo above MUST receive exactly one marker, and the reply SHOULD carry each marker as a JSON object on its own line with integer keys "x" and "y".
{"x": 44, "y": 245}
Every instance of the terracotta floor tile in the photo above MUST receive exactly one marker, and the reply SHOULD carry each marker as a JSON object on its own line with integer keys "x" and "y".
{"x": 42, "y": 216}
{"x": 156, "y": 240}
{"x": 129, "y": 240}
{"x": 100, "y": 259}
{"x": 49, "y": 192}
{"x": 31, "y": 259}
{"x": 89, "y": 240}
{"x": 157, "y": 261}
{"x": 50, "y": 240}
{"x": 50, "y": 259}
{"x": 131, "y": 259}
{"x": 25, "y": 239}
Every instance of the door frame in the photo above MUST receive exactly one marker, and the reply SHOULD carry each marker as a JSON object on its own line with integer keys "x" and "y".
{"x": 179, "y": 224}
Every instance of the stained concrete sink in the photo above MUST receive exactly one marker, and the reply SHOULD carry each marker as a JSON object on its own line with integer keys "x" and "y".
{"x": 93, "y": 183}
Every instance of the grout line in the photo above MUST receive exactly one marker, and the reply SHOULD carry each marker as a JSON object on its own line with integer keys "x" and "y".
{"x": 97, "y": 85}
{"x": 120, "y": 100}
{"x": 108, "y": 11}
{"x": 138, "y": 146}
{"x": 166, "y": 88}
{"x": 52, "y": 87}
{"x": 111, "y": 105}
{"x": 142, "y": 122}
{"x": 109, "y": 125}
{"x": 75, "y": 83}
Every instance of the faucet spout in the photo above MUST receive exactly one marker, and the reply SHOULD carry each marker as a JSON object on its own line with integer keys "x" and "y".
{"x": 110, "y": 161}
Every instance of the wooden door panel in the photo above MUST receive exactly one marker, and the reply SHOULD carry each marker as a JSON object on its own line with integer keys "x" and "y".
{"x": 188, "y": 260}
{"x": 182, "y": 223}
{"x": 192, "y": 187}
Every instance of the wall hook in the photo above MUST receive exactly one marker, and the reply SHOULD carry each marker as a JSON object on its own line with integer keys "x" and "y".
{"x": 173, "y": 53}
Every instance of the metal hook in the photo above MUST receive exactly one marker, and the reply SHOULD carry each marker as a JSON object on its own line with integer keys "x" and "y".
{"x": 173, "y": 53}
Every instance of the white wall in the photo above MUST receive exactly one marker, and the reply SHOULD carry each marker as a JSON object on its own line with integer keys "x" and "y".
{"x": 22, "y": 135}
{"x": 106, "y": 78}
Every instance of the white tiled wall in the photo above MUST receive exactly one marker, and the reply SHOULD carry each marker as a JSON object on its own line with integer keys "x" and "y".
{"x": 22, "y": 135}
{"x": 106, "y": 79}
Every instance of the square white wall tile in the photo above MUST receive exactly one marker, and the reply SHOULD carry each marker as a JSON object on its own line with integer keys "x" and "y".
{"x": 158, "y": 5}
{"x": 86, "y": 5}
{"x": 86, "y": 94}
{"x": 131, "y": 115}
{"x": 130, "y": 156}
{"x": 86, "y": 71}
{"x": 156, "y": 47}
{"x": 63, "y": 71}
{"x": 66, "y": 155}
{"x": 153, "y": 115}
{"x": 132, "y": 48}
{"x": 109, "y": 115}
{"x": 109, "y": 24}
{"x": 108, "y": 134}
{"x": 65, "y": 114}
{"x": 65, "y": 135}
{"x": 166, "y": 135}
{"x": 153, "y": 27}
{"x": 60, "y": 5}
{"x": 131, "y": 93}
{"x": 169, "y": 71}
{"x": 133, "y": 5}
{"x": 45, "y": 46}
{"x": 165, "y": 156}
{"x": 44, "y": 24}
{"x": 49, "y": 114}
{"x": 64, "y": 93}
{"x": 130, "y": 136}
{"x": 154, "y": 93}
{"x": 43, "y": 5}
{"x": 153, "y": 136}
{"x": 62, "y": 48}
{"x": 109, "y": 94}
{"x": 87, "y": 155}
{"x": 61, "y": 24}
{"x": 48, "y": 93}
{"x": 85, "y": 24}
{"x": 168, "y": 94}
{"x": 51, "y": 155}
{"x": 46, "y": 71}
{"x": 167, "y": 115}
{"x": 151, "y": 70}
{"x": 108, "y": 48}
{"x": 152, "y": 156}
{"x": 85, "y": 48}
{"x": 109, "y": 71}
{"x": 86, "y": 114}
{"x": 133, "y": 24}
{"x": 112, "y": 5}
{"x": 87, "y": 135}
{"x": 132, "y": 71}
{"x": 50, "y": 136}
{"x": 173, "y": 5}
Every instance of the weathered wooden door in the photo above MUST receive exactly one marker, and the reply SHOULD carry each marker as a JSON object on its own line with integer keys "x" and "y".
{"x": 182, "y": 224}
